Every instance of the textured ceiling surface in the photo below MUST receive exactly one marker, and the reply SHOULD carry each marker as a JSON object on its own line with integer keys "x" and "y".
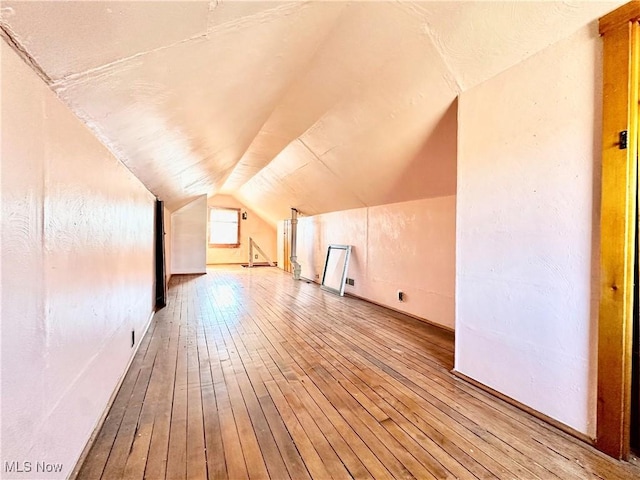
{"x": 322, "y": 106}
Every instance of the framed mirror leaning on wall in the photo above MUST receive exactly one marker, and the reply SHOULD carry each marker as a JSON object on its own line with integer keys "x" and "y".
{"x": 336, "y": 266}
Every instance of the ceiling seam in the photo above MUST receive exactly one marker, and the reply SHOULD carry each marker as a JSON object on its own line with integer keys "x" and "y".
{"x": 91, "y": 73}
{"x": 78, "y": 77}
{"x": 331, "y": 171}
{"x": 286, "y": 91}
{"x": 262, "y": 16}
{"x": 213, "y": 4}
{"x": 12, "y": 41}
{"x": 450, "y": 78}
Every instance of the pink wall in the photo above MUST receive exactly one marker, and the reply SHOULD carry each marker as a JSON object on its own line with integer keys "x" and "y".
{"x": 77, "y": 269}
{"x": 189, "y": 237}
{"x": 254, "y": 226}
{"x": 528, "y": 216}
{"x": 407, "y": 246}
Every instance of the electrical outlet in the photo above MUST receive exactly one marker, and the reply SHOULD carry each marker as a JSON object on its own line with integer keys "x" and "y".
{"x": 255, "y": 256}
{"x": 317, "y": 276}
{"x": 351, "y": 281}
{"x": 401, "y": 296}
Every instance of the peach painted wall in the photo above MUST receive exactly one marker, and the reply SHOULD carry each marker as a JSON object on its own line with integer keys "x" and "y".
{"x": 189, "y": 237}
{"x": 527, "y": 239}
{"x": 254, "y": 226}
{"x": 77, "y": 273}
{"x": 408, "y": 246}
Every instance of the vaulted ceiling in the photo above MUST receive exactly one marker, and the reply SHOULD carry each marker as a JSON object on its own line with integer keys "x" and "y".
{"x": 321, "y": 106}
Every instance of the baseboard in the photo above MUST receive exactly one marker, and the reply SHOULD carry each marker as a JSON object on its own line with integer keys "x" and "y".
{"x": 352, "y": 295}
{"x": 103, "y": 417}
{"x": 540, "y": 416}
{"x": 425, "y": 320}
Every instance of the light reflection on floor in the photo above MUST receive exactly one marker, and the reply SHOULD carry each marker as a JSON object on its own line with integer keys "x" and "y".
{"x": 225, "y": 296}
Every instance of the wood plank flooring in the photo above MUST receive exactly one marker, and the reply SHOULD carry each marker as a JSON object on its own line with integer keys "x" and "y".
{"x": 250, "y": 374}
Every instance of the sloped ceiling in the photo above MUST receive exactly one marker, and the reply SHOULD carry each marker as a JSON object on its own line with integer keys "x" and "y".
{"x": 321, "y": 106}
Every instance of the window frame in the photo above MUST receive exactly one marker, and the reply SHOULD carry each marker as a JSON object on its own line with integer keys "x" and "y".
{"x": 209, "y": 224}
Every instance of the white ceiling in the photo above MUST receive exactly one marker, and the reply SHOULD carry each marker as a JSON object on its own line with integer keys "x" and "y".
{"x": 317, "y": 105}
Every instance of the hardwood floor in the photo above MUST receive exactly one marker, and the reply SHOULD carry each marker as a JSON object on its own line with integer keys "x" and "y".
{"x": 250, "y": 374}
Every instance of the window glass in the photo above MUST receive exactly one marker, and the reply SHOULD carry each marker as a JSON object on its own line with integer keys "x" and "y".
{"x": 224, "y": 226}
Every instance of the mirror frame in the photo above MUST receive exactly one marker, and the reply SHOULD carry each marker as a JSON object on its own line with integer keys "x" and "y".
{"x": 345, "y": 268}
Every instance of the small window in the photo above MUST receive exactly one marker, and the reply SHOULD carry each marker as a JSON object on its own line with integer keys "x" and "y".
{"x": 224, "y": 227}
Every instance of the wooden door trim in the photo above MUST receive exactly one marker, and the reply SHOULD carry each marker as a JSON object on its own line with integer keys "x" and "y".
{"x": 629, "y": 12}
{"x": 621, "y": 41}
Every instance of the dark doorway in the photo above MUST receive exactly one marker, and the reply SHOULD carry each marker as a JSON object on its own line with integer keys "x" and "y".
{"x": 635, "y": 373}
{"x": 635, "y": 352}
{"x": 161, "y": 288}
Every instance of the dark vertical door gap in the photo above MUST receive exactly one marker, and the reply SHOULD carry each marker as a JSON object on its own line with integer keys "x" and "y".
{"x": 160, "y": 278}
{"x": 635, "y": 355}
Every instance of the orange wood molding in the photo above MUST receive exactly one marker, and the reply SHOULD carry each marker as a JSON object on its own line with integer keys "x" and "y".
{"x": 618, "y": 226}
{"x": 629, "y": 12}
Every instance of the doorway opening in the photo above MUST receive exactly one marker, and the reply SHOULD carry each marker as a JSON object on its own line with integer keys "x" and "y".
{"x": 635, "y": 351}
{"x": 159, "y": 253}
